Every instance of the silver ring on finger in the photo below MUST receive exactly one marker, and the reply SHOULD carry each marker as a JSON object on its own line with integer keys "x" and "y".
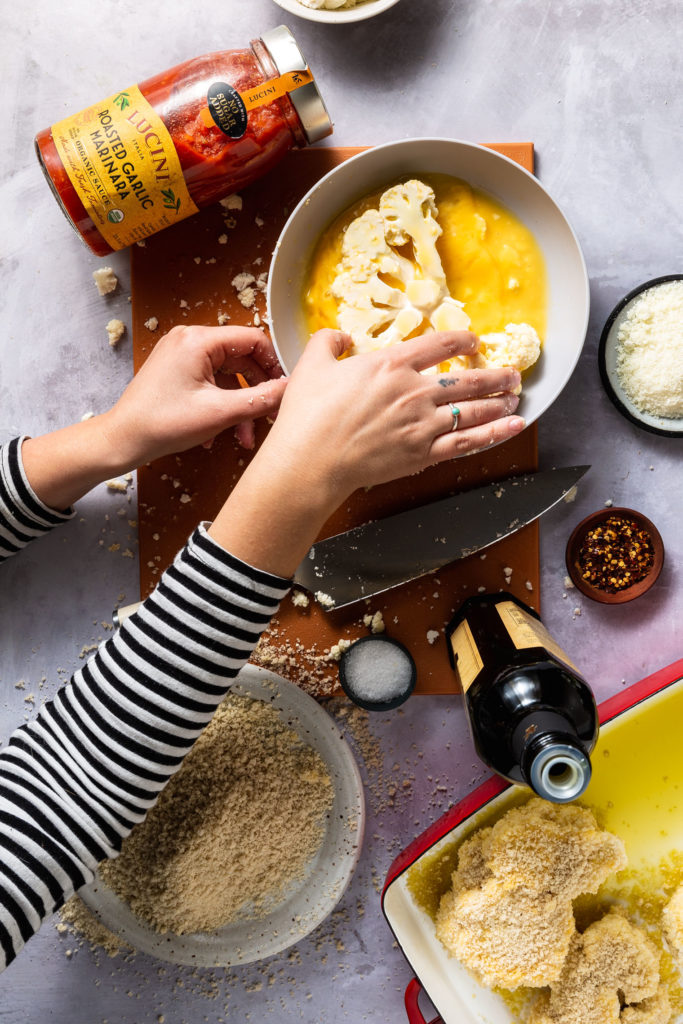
{"x": 455, "y": 413}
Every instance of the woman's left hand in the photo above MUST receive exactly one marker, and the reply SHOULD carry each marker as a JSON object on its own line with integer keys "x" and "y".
{"x": 182, "y": 397}
{"x": 179, "y": 398}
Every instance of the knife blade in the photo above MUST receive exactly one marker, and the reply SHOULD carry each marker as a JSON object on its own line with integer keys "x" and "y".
{"x": 381, "y": 554}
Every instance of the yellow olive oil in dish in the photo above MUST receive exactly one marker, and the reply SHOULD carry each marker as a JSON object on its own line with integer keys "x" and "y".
{"x": 491, "y": 259}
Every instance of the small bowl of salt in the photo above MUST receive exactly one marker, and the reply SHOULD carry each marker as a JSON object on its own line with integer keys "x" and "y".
{"x": 641, "y": 356}
{"x": 377, "y": 673}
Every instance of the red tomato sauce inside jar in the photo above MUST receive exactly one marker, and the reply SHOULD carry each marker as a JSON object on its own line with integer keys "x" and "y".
{"x": 216, "y": 156}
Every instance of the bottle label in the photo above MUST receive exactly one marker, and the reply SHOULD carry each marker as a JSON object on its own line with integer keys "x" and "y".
{"x": 468, "y": 661}
{"x": 121, "y": 161}
{"x": 526, "y": 631}
{"x": 228, "y": 109}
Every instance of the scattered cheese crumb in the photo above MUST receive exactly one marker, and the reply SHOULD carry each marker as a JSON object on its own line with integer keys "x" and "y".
{"x": 336, "y": 650}
{"x": 115, "y": 330}
{"x": 152, "y": 323}
{"x": 242, "y": 281}
{"x": 432, "y": 636}
{"x": 375, "y": 623}
{"x": 118, "y": 485}
{"x": 105, "y": 280}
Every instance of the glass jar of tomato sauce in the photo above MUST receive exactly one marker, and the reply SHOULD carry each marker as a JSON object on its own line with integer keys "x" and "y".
{"x": 157, "y": 152}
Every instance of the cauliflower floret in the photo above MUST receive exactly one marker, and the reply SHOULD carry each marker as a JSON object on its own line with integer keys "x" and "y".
{"x": 409, "y": 214}
{"x": 518, "y": 345}
{"x": 374, "y": 312}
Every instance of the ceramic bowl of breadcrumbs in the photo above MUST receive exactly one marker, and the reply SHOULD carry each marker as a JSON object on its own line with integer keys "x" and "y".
{"x": 614, "y": 555}
{"x": 640, "y": 356}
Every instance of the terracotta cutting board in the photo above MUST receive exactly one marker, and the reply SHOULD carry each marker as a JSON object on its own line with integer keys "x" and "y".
{"x": 184, "y": 275}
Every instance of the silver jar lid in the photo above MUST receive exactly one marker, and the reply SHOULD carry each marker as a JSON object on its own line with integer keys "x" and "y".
{"x": 307, "y": 101}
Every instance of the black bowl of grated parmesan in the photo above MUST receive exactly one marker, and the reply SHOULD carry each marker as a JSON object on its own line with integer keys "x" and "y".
{"x": 641, "y": 356}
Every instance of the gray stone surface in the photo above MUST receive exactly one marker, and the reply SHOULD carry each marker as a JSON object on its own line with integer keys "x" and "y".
{"x": 595, "y": 85}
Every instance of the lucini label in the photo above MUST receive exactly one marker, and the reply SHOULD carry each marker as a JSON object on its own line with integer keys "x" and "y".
{"x": 525, "y": 631}
{"x": 468, "y": 661}
{"x": 228, "y": 109}
{"x": 121, "y": 161}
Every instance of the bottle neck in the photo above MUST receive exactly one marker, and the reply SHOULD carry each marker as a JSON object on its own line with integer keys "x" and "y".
{"x": 270, "y": 70}
{"x": 554, "y": 764}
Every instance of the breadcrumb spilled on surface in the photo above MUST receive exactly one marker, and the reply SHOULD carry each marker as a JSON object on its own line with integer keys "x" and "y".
{"x": 509, "y": 915}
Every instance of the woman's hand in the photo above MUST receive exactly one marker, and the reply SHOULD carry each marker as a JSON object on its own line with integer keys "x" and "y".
{"x": 349, "y": 423}
{"x": 375, "y": 417}
{"x": 180, "y": 398}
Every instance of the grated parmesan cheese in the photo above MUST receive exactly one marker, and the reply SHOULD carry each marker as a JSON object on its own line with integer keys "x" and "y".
{"x": 650, "y": 351}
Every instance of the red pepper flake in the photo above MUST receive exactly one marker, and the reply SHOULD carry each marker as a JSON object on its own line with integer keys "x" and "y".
{"x": 615, "y": 555}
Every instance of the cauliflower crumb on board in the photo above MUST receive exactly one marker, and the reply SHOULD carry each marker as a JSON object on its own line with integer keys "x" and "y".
{"x": 115, "y": 331}
{"x": 152, "y": 324}
{"x": 377, "y": 313}
{"x": 374, "y": 622}
{"x": 105, "y": 280}
{"x": 432, "y": 636}
{"x": 324, "y": 599}
{"x": 231, "y": 202}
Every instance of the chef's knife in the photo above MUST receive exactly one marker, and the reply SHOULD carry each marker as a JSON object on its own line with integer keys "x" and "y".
{"x": 381, "y": 554}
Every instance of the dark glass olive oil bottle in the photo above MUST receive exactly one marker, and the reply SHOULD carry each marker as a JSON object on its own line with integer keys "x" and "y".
{"x": 532, "y": 715}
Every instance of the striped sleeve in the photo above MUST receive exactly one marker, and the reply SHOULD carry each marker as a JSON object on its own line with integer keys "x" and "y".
{"x": 23, "y": 515}
{"x": 74, "y": 781}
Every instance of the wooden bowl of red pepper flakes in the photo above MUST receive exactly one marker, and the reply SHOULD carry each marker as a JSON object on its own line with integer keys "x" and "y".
{"x": 614, "y": 555}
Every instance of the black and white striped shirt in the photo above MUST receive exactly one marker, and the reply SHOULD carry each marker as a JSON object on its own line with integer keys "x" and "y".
{"x": 74, "y": 781}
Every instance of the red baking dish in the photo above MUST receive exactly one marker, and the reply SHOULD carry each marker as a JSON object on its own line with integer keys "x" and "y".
{"x": 637, "y": 785}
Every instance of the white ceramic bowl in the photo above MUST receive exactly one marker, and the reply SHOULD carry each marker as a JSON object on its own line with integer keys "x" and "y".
{"x": 519, "y": 191}
{"x": 368, "y": 9}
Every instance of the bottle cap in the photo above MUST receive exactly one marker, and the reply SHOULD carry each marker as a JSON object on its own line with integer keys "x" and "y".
{"x": 377, "y": 673}
{"x": 307, "y": 101}
{"x": 560, "y": 772}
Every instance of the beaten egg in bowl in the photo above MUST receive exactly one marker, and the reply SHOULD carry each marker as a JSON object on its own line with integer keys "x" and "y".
{"x": 425, "y": 254}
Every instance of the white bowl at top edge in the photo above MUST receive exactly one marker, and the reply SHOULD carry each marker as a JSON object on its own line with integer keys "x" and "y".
{"x": 505, "y": 180}
{"x": 368, "y": 9}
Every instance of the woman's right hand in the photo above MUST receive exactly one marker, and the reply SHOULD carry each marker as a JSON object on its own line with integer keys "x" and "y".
{"x": 348, "y": 423}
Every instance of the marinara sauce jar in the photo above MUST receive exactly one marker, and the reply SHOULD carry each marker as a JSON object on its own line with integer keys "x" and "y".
{"x": 157, "y": 152}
